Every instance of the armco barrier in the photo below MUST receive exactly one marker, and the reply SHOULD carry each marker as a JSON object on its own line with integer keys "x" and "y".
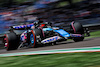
{"x": 93, "y": 27}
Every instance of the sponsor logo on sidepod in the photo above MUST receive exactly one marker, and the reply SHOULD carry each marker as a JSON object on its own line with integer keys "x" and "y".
{"x": 51, "y": 39}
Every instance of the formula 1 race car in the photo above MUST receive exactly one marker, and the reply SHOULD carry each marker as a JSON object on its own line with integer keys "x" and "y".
{"x": 35, "y": 35}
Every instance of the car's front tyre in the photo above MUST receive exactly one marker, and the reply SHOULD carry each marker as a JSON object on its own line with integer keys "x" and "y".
{"x": 77, "y": 29}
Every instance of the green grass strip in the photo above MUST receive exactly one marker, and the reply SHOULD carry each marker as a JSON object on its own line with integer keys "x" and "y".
{"x": 94, "y": 34}
{"x": 53, "y": 60}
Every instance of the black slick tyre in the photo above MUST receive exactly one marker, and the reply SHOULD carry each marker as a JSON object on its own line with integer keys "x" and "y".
{"x": 77, "y": 29}
{"x": 11, "y": 41}
{"x": 35, "y": 37}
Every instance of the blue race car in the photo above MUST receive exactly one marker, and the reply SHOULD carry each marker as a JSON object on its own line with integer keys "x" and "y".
{"x": 40, "y": 34}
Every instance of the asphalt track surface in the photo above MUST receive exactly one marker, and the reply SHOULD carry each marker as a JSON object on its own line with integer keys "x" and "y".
{"x": 90, "y": 42}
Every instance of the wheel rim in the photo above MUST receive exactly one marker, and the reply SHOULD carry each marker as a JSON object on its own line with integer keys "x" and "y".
{"x": 32, "y": 38}
{"x": 6, "y": 43}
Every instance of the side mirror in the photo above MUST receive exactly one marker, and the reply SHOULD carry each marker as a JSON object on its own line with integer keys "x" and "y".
{"x": 11, "y": 29}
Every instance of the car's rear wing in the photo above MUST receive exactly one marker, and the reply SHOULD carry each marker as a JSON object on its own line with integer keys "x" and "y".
{"x": 21, "y": 27}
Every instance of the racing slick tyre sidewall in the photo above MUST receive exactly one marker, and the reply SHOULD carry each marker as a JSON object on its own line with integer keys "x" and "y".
{"x": 78, "y": 29}
{"x": 32, "y": 39}
{"x": 34, "y": 33}
{"x": 11, "y": 40}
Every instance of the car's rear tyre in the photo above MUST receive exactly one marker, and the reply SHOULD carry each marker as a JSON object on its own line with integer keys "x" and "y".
{"x": 11, "y": 41}
{"x": 77, "y": 29}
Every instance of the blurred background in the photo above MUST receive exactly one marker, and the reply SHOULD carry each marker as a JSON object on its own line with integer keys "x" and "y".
{"x": 59, "y": 12}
